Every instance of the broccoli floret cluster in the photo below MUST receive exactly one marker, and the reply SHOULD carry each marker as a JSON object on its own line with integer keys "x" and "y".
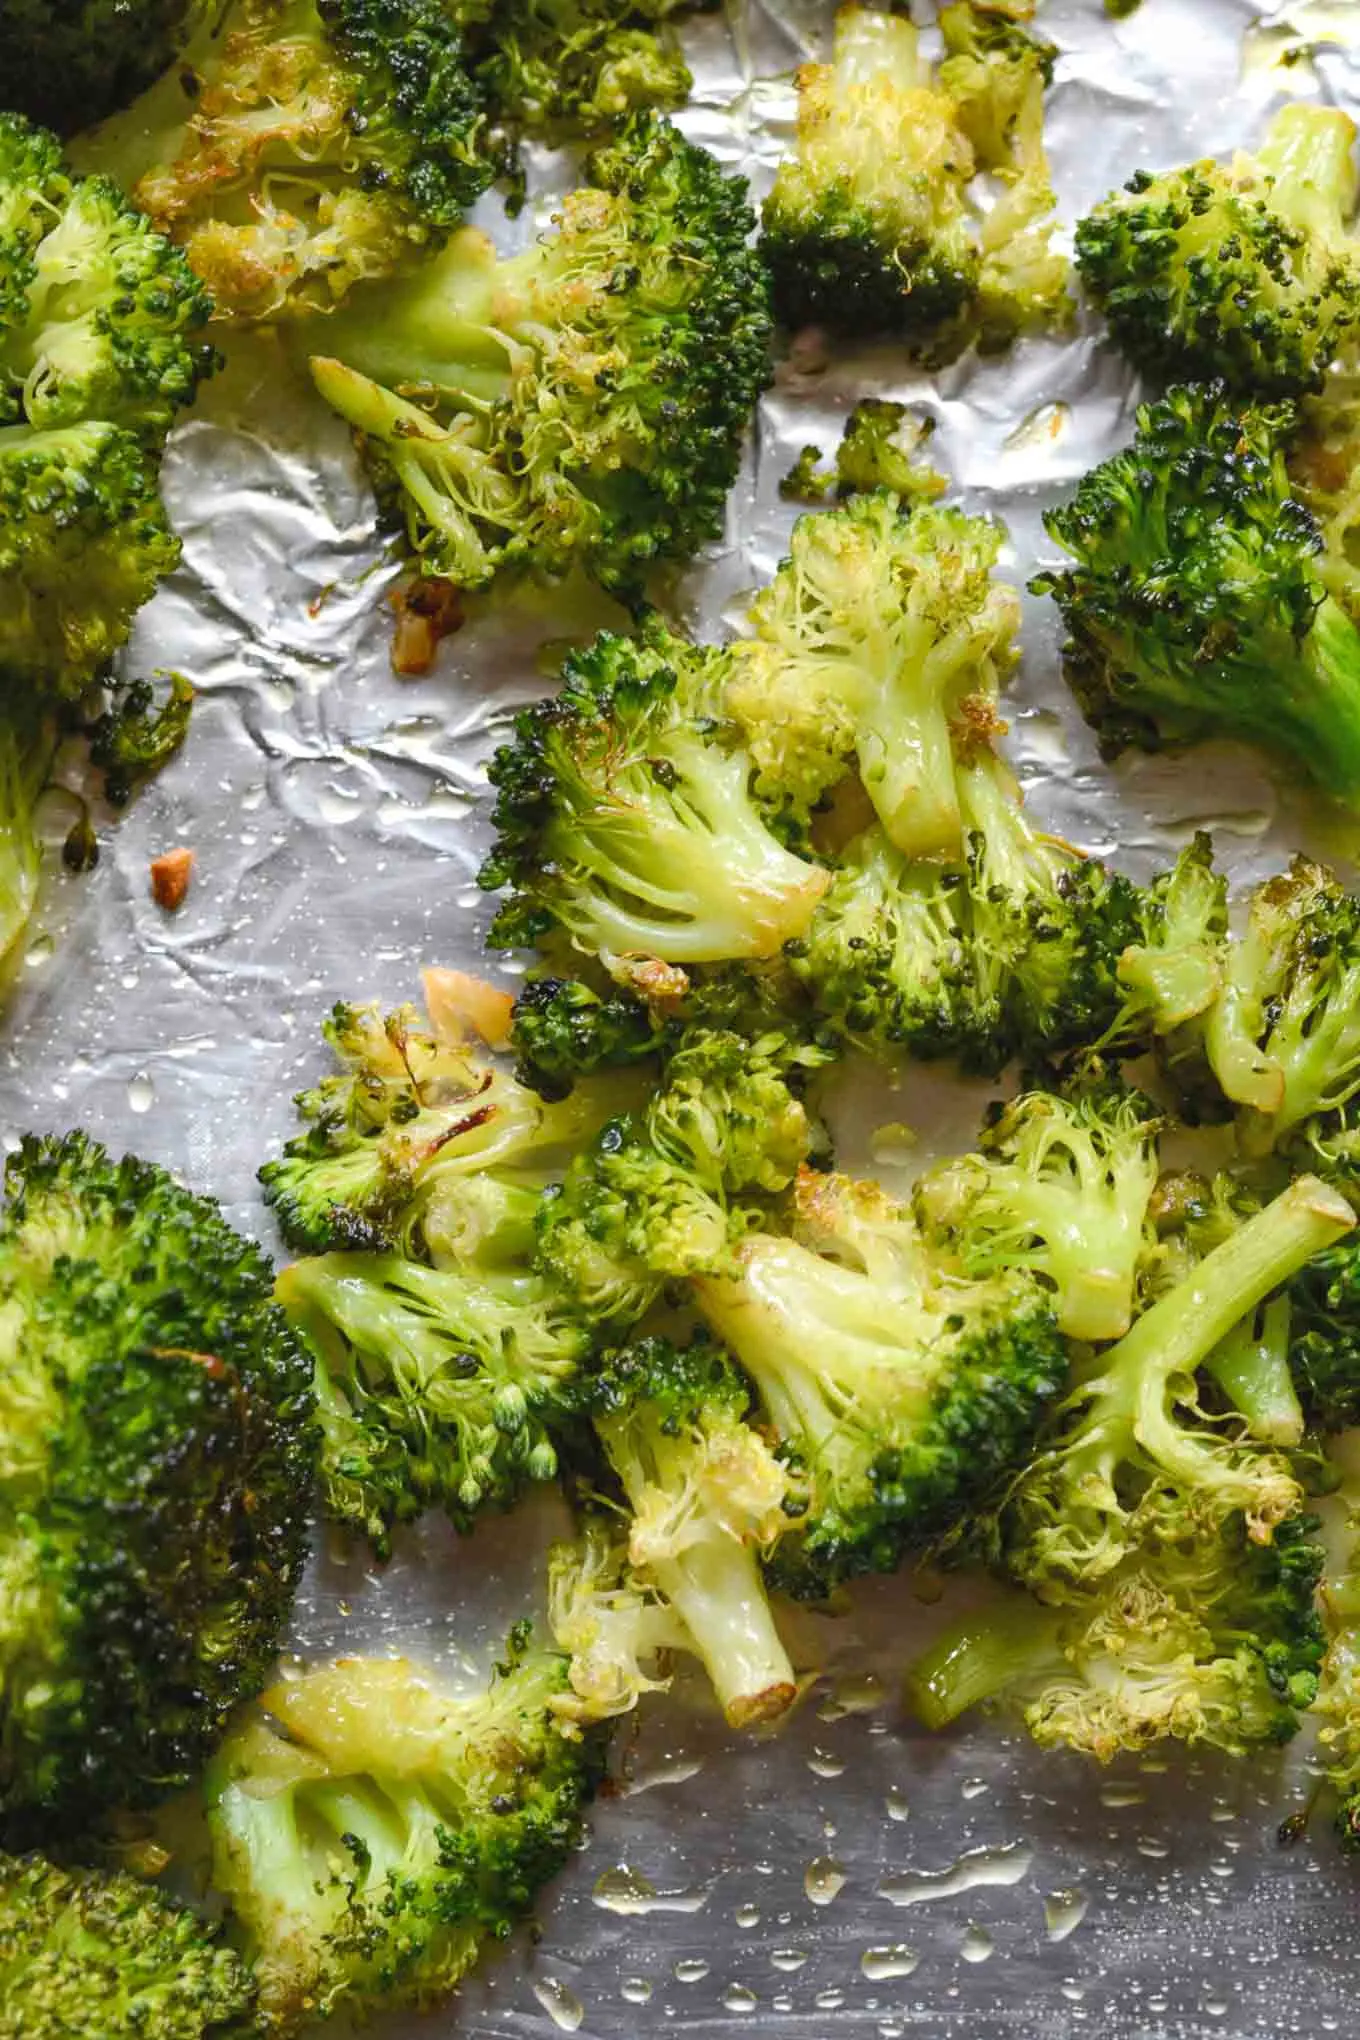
{"x": 881, "y": 447}
{"x": 156, "y": 1460}
{"x": 562, "y": 69}
{"x": 69, "y": 62}
{"x": 564, "y": 419}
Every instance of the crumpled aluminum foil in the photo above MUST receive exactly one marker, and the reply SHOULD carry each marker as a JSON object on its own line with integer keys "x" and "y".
{"x": 846, "y": 1875}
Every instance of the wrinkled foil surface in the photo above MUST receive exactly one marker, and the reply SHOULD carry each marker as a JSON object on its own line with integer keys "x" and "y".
{"x": 847, "y": 1875}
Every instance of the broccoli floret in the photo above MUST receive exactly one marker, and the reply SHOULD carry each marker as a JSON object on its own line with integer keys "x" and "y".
{"x": 707, "y": 1497}
{"x": 1060, "y": 1186}
{"x": 1136, "y": 1465}
{"x": 416, "y": 1120}
{"x": 134, "y": 737}
{"x": 996, "y": 72}
{"x": 562, "y": 69}
{"x": 898, "y": 1392}
{"x": 1207, "y": 1641}
{"x": 1173, "y": 972}
{"x": 435, "y": 1387}
{"x": 881, "y": 636}
{"x": 304, "y": 146}
{"x": 617, "y": 1629}
{"x": 371, "y": 1832}
{"x": 69, "y": 62}
{"x": 156, "y": 1458}
{"x": 1338, "y": 1702}
{"x": 1324, "y": 468}
{"x": 581, "y": 403}
{"x": 667, "y": 1192}
{"x": 866, "y": 229}
{"x": 881, "y": 447}
{"x": 1196, "y": 607}
{"x": 82, "y": 1952}
{"x": 1323, "y": 1331}
{"x": 626, "y": 819}
{"x": 1244, "y": 270}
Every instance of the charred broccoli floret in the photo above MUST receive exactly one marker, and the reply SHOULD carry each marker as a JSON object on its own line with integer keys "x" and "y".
{"x": 82, "y": 1952}
{"x": 899, "y": 1392}
{"x": 1205, "y": 1641}
{"x": 582, "y": 403}
{"x": 866, "y": 229}
{"x": 371, "y": 1832}
{"x": 626, "y": 817}
{"x": 302, "y": 146}
{"x": 1195, "y": 604}
{"x": 707, "y": 1497}
{"x": 1244, "y": 270}
{"x": 881, "y": 636}
{"x": 1060, "y": 1186}
{"x": 69, "y": 62}
{"x": 156, "y": 1461}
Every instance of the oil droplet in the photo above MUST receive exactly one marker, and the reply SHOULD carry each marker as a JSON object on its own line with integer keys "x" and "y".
{"x": 974, "y": 1870}
{"x": 563, "y": 2006}
{"x": 635, "y": 1990}
{"x": 338, "y": 805}
{"x": 737, "y": 1998}
{"x": 893, "y": 1146}
{"x": 1073, "y": 1992}
{"x": 890, "y": 2029}
{"x": 782, "y": 2003}
{"x": 860, "y": 1693}
{"x": 747, "y": 1916}
{"x": 141, "y": 1093}
{"x": 690, "y": 1969}
{"x": 1122, "y": 1795}
{"x": 1215, "y": 2007}
{"x": 829, "y": 2000}
{"x": 973, "y": 1788}
{"x": 880, "y": 1965}
{"x": 627, "y": 1891}
{"x": 40, "y": 950}
{"x": 788, "y": 1959}
{"x": 896, "y": 1805}
{"x": 823, "y": 1764}
{"x": 976, "y": 1945}
{"x": 1152, "y": 1846}
{"x": 824, "y": 1879}
{"x": 1064, "y": 1912}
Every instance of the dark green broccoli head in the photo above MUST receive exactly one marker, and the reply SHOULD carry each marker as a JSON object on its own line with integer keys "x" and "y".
{"x": 320, "y": 142}
{"x": 435, "y": 1388}
{"x": 83, "y": 1952}
{"x": 155, "y": 1479}
{"x": 1324, "y": 1337}
{"x": 372, "y": 1833}
{"x": 582, "y": 403}
{"x": 560, "y": 69}
{"x": 563, "y": 1030}
{"x": 70, "y": 62}
{"x": 1244, "y": 270}
{"x": 1194, "y": 605}
{"x": 899, "y": 1393}
{"x": 865, "y": 230}
{"x": 625, "y": 817}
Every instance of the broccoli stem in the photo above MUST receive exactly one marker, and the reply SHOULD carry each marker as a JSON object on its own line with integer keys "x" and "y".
{"x": 1328, "y": 722}
{"x": 716, "y": 1589}
{"x": 1308, "y": 150}
{"x": 449, "y": 325}
{"x": 872, "y": 44}
{"x": 1251, "y": 1366}
{"x": 979, "y": 1657}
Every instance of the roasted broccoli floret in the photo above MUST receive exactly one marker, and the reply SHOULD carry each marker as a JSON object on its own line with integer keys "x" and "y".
{"x": 866, "y": 229}
{"x": 304, "y": 145}
{"x": 1195, "y": 606}
{"x": 1060, "y": 1186}
{"x": 1213, "y": 1640}
{"x": 1244, "y": 270}
{"x": 626, "y": 817}
{"x": 417, "y": 1125}
{"x": 1136, "y": 1464}
{"x": 882, "y": 447}
{"x": 881, "y": 637}
{"x": 83, "y": 1952}
{"x": 618, "y": 1630}
{"x": 707, "y": 1497}
{"x": 1172, "y": 972}
{"x": 371, "y": 1832}
{"x": 435, "y": 1387}
{"x": 156, "y": 1460}
{"x": 582, "y": 403}
{"x": 560, "y": 69}
{"x": 899, "y": 1392}
{"x": 69, "y": 62}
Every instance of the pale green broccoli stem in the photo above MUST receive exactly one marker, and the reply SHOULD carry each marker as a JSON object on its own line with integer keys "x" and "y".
{"x": 871, "y": 44}
{"x": 449, "y": 325}
{"x": 980, "y": 1657}
{"x": 1309, "y": 152}
{"x": 1251, "y": 1366}
{"x": 1176, "y": 1336}
{"x": 482, "y": 1219}
{"x": 24, "y": 767}
{"x": 1315, "y": 1044}
{"x": 1236, "y": 1020}
{"x": 716, "y": 1589}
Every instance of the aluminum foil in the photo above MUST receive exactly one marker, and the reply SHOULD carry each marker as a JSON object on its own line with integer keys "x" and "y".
{"x": 846, "y": 1875}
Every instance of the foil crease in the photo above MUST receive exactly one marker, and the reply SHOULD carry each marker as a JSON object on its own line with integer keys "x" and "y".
{"x": 847, "y": 1874}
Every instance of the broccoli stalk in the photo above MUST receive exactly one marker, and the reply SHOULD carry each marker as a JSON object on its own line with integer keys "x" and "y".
{"x": 1245, "y": 271}
{"x": 532, "y": 412}
{"x": 27, "y": 750}
{"x": 898, "y": 1392}
{"x": 1251, "y": 1367}
{"x": 85, "y": 1952}
{"x": 1242, "y": 640}
{"x": 707, "y": 1496}
{"x": 372, "y": 1832}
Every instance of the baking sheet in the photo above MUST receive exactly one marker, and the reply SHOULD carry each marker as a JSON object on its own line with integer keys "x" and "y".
{"x": 846, "y": 1876}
